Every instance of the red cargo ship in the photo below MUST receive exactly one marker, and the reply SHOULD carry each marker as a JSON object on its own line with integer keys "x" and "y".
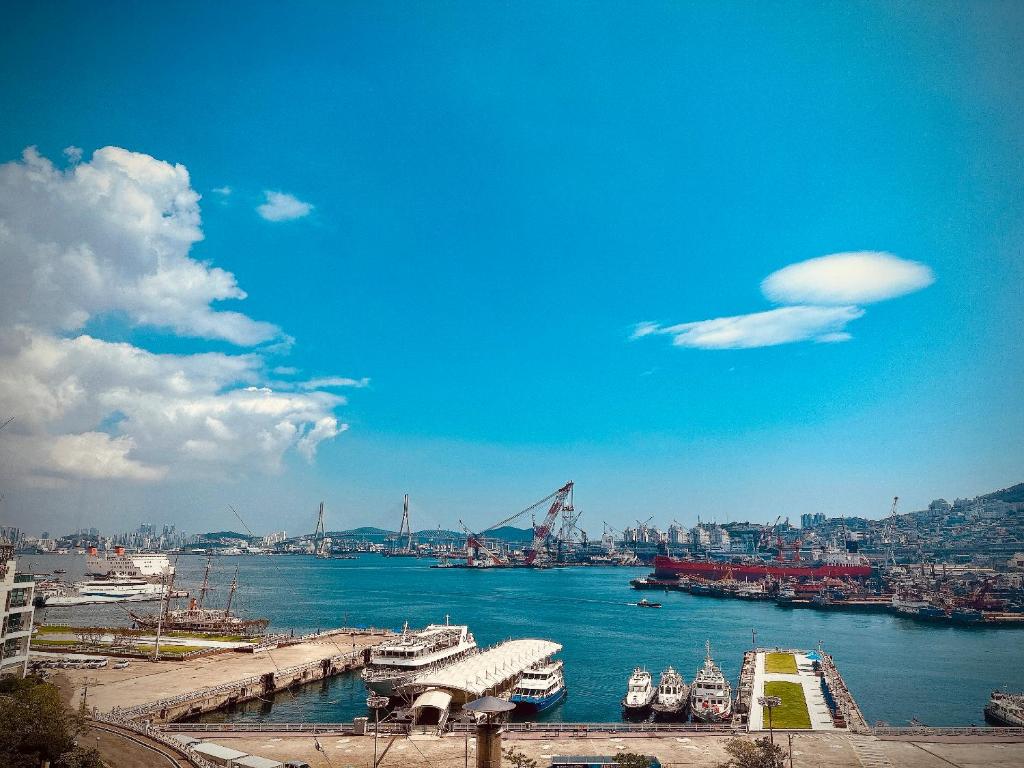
{"x": 837, "y": 566}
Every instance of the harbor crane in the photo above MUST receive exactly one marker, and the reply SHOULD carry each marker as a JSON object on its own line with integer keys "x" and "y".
{"x": 889, "y": 533}
{"x": 540, "y": 532}
{"x": 475, "y": 545}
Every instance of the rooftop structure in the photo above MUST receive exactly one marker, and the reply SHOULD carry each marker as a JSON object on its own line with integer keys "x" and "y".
{"x": 488, "y": 672}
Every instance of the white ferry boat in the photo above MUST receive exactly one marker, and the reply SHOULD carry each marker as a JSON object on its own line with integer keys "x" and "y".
{"x": 710, "y": 694}
{"x": 397, "y": 661}
{"x": 640, "y": 693}
{"x": 671, "y": 696}
{"x": 121, "y": 565}
{"x": 541, "y": 687}
{"x": 1005, "y": 709}
{"x": 100, "y": 591}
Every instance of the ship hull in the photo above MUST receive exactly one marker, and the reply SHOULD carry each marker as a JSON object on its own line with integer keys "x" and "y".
{"x": 996, "y": 716}
{"x": 537, "y": 704}
{"x": 668, "y": 567}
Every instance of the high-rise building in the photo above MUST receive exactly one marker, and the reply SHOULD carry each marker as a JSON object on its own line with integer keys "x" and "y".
{"x": 16, "y": 594}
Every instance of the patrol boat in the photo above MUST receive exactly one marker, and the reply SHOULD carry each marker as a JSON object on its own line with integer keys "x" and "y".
{"x": 710, "y": 694}
{"x": 671, "y": 697}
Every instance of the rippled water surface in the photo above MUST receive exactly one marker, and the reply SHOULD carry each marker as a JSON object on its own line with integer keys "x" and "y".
{"x": 896, "y": 668}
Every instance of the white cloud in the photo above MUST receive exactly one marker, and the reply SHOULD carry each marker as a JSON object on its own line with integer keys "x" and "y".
{"x": 223, "y": 191}
{"x": 280, "y": 206}
{"x": 178, "y": 416}
{"x": 73, "y": 154}
{"x": 860, "y": 277}
{"x": 112, "y": 234}
{"x": 759, "y": 329}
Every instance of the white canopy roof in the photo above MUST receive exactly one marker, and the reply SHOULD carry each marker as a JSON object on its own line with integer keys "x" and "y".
{"x": 475, "y": 675}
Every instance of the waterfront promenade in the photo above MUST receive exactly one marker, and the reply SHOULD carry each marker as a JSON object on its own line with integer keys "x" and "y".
{"x": 146, "y": 682}
{"x": 817, "y": 750}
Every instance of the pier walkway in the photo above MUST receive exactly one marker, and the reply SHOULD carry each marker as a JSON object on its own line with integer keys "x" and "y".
{"x": 817, "y": 707}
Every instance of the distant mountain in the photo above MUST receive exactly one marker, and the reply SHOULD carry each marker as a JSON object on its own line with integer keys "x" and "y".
{"x": 1012, "y": 495}
{"x": 214, "y": 535}
{"x": 510, "y": 534}
{"x": 366, "y": 530}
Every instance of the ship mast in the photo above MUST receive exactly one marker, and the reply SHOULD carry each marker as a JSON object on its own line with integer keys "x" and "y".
{"x": 206, "y": 581}
{"x": 231, "y": 593}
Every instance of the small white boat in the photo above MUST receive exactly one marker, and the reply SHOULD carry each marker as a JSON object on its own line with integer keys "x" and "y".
{"x": 640, "y": 693}
{"x": 101, "y": 591}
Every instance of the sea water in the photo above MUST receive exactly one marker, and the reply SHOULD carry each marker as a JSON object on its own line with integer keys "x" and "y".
{"x": 896, "y": 668}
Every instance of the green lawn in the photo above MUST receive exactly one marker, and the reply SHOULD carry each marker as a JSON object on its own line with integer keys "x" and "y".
{"x": 792, "y": 713}
{"x": 168, "y": 648}
{"x": 780, "y": 663}
{"x": 41, "y": 642}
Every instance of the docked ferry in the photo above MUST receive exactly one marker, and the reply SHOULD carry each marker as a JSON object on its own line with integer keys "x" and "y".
{"x": 100, "y": 591}
{"x": 121, "y": 565}
{"x": 1005, "y": 709}
{"x": 397, "y": 661}
{"x": 710, "y": 694}
{"x": 540, "y": 688}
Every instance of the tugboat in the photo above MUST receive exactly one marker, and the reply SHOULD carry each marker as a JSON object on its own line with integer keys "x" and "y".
{"x": 710, "y": 694}
{"x": 639, "y": 695}
{"x": 1005, "y": 709}
{"x": 540, "y": 688}
{"x": 645, "y": 603}
{"x": 671, "y": 697}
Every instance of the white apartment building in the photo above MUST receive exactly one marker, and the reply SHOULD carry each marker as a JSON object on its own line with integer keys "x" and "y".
{"x": 17, "y": 591}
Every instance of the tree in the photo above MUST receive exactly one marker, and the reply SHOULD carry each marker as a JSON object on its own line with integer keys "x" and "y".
{"x": 632, "y": 760}
{"x": 518, "y": 759}
{"x": 37, "y": 726}
{"x": 760, "y": 753}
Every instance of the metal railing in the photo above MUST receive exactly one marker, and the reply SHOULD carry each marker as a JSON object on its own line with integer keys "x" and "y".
{"x": 922, "y": 730}
{"x": 155, "y": 734}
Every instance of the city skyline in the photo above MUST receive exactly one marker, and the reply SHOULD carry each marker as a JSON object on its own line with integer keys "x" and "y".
{"x": 705, "y": 262}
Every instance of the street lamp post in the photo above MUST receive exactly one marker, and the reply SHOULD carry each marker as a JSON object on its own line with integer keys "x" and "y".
{"x": 376, "y": 703}
{"x": 770, "y": 703}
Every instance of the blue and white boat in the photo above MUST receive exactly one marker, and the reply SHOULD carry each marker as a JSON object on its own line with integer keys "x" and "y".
{"x": 540, "y": 688}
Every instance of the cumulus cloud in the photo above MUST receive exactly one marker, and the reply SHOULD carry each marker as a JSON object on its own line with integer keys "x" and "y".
{"x": 860, "y": 277}
{"x": 114, "y": 235}
{"x": 759, "y": 329}
{"x": 280, "y": 206}
{"x": 824, "y": 294}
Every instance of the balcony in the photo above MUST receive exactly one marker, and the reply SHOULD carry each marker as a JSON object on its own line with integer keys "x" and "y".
{"x": 24, "y": 577}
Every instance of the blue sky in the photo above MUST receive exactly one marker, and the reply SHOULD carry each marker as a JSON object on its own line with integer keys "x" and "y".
{"x": 499, "y": 195}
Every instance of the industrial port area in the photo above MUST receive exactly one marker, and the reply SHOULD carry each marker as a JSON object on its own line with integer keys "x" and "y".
{"x": 434, "y": 696}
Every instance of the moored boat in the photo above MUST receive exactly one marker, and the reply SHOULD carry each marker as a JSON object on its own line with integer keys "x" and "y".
{"x": 671, "y": 697}
{"x": 640, "y": 694}
{"x": 539, "y": 688}
{"x": 395, "y": 662}
{"x": 710, "y": 693}
{"x": 1005, "y": 709}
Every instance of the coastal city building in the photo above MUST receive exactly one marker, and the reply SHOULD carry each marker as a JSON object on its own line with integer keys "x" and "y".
{"x": 16, "y": 612}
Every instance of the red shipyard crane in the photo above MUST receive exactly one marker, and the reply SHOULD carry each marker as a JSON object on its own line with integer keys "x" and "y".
{"x": 540, "y": 532}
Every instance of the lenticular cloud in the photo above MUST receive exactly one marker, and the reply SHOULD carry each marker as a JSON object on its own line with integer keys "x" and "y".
{"x": 861, "y": 277}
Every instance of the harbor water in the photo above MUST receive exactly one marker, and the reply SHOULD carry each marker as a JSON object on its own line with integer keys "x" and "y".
{"x": 896, "y": 668}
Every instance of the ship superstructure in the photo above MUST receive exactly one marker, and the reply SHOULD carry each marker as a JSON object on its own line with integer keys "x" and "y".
{"x": 540, "y": 687}
{"x": 1005, "y": 709}
{"x": 127, "y": 566}
{"x": 397, "y": 661}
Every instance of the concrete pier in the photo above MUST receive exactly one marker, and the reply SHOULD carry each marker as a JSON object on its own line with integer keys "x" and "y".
{"x": 165, "y": 691}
